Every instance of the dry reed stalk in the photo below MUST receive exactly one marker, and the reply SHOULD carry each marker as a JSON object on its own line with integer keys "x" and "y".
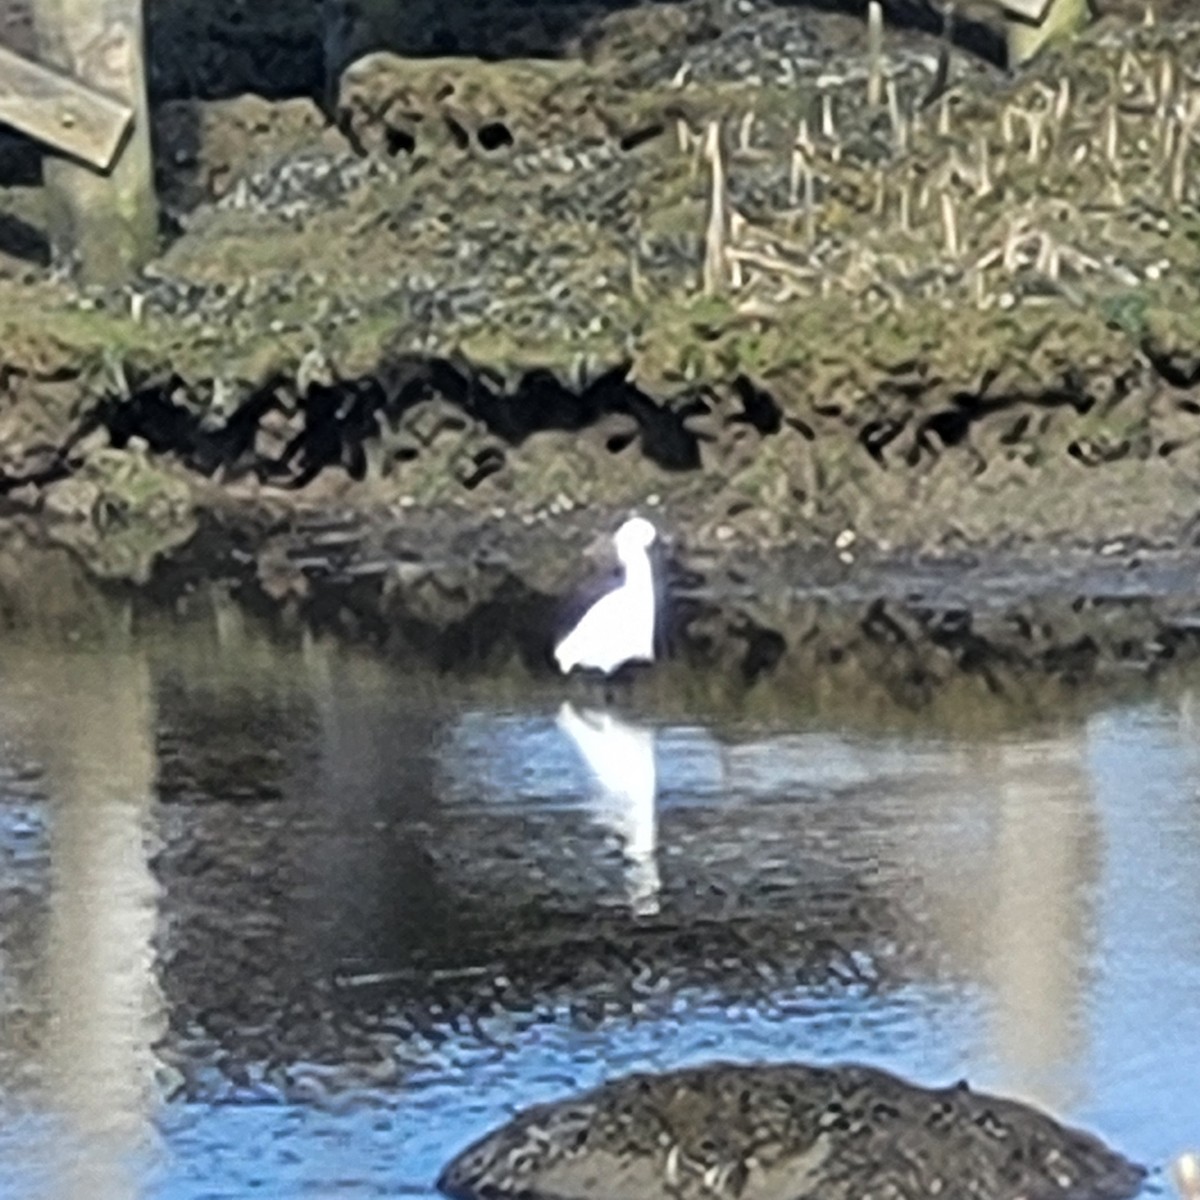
{"x": 1036, "y": 122}
{"x": 950, "y": 224}
{"x": 943, "y": 121}
{"x": 770, "y": 262}
{"x": 810, "y": 201}
{"x": 636, "y": 286}
{"x": 874, "y": 53}
{"x": 1166, "y": 82}
{"x": 1013, "y": 237}
{"x": 1111, "y": 136}
{"x": 1062, "y": 101}
{"x": 983, "y": 174}
{"x": 905, "y": 213}
{"x": 896, "y": 117}
{"x": 716, "y": 235}
{"x": 1047, "y": 258}
{"x": 1165, "y": 141}
{"x": 989, "y": 259}
{"x": 803, "y": 136}
{"x": 828, "y": 129}
{"x": 1177, "y": 183}
{"x": 795, "y": 175}
{"x": 746, "y": 131}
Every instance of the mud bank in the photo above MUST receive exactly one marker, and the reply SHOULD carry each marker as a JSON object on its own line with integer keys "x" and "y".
{"x": 786, "y": 1131}
{"x": 963, "y": 642}
{"x": 468, "y": 295}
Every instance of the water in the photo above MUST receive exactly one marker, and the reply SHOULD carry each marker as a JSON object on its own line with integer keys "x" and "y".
{"x": 290, "y": 922}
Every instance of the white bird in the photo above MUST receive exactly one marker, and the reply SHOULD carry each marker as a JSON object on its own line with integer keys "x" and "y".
{"x": 619, "y": 627}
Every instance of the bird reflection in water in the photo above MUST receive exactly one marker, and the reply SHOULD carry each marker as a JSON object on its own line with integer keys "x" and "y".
{"x": 620, "y": 757}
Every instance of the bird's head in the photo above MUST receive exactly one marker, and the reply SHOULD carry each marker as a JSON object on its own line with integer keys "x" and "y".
{"x": 637, "y": 534}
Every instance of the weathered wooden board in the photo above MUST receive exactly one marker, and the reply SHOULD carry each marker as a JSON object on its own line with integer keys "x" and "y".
{"x": 60, "y": 111}
{"x": 105, "y": 224}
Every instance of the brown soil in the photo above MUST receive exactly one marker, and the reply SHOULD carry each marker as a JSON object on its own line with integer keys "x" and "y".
{"x": 981, "y": 336}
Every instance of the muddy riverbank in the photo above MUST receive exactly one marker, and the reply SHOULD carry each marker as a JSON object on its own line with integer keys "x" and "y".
{"x": 463, "y": 301}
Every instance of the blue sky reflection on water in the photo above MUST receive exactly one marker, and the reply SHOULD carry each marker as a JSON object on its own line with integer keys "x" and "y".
{"x": 1054, "y": 876}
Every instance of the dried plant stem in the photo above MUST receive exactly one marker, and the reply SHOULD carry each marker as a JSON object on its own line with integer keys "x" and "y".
{"x": 983, "y": 176}
{"x": 1012, "y": 244}
{"x": 1036, "y": 122}
{"x": 1062, "y": 101}
{"x": 1047, "y": 259}
{"x": 716, "y": 235}
{"x": 746, "y": 131}
{"x": 803, "y": 136}
{"x": 950, "y": 224}
{"x": 1177, "y": 183}
{"x": 1111, "y": 136}
{"x": 1007, "y": 125}
{"x": 770, "y": 262}
{"x": 896, "y": 117}
{"x": 637, "y": 287}
{"x": 1166, "y": 83}
{"x": 874, "y": 53}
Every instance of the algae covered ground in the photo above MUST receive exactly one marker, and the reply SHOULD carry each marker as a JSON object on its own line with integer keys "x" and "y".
{"x": 667, "y": 255}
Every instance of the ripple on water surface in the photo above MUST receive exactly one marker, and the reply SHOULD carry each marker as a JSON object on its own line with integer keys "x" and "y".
{"x": 349, "y": 920}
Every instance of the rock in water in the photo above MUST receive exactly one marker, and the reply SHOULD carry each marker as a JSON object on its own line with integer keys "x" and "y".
{"x": 787, "y": 1132}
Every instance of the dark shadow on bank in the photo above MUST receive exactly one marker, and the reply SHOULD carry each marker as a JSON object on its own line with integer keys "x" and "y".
{"x": 281, "y": 49}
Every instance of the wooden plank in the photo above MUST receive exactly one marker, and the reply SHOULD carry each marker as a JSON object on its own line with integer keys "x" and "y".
{"x": 60, "y": 111}
{"x": 105, "y": 225}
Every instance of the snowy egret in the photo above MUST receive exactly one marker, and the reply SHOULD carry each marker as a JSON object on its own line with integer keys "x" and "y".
{"x": 618, "y": 627}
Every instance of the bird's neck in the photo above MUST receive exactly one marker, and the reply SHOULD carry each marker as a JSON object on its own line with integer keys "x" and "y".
{"x": 638, "y": 576}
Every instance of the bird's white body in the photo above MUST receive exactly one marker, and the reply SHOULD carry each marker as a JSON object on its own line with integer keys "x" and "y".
{"x": 619, "y": 627}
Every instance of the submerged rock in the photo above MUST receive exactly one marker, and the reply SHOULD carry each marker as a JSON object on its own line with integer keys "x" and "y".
{"x": 785, "y": 1132}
